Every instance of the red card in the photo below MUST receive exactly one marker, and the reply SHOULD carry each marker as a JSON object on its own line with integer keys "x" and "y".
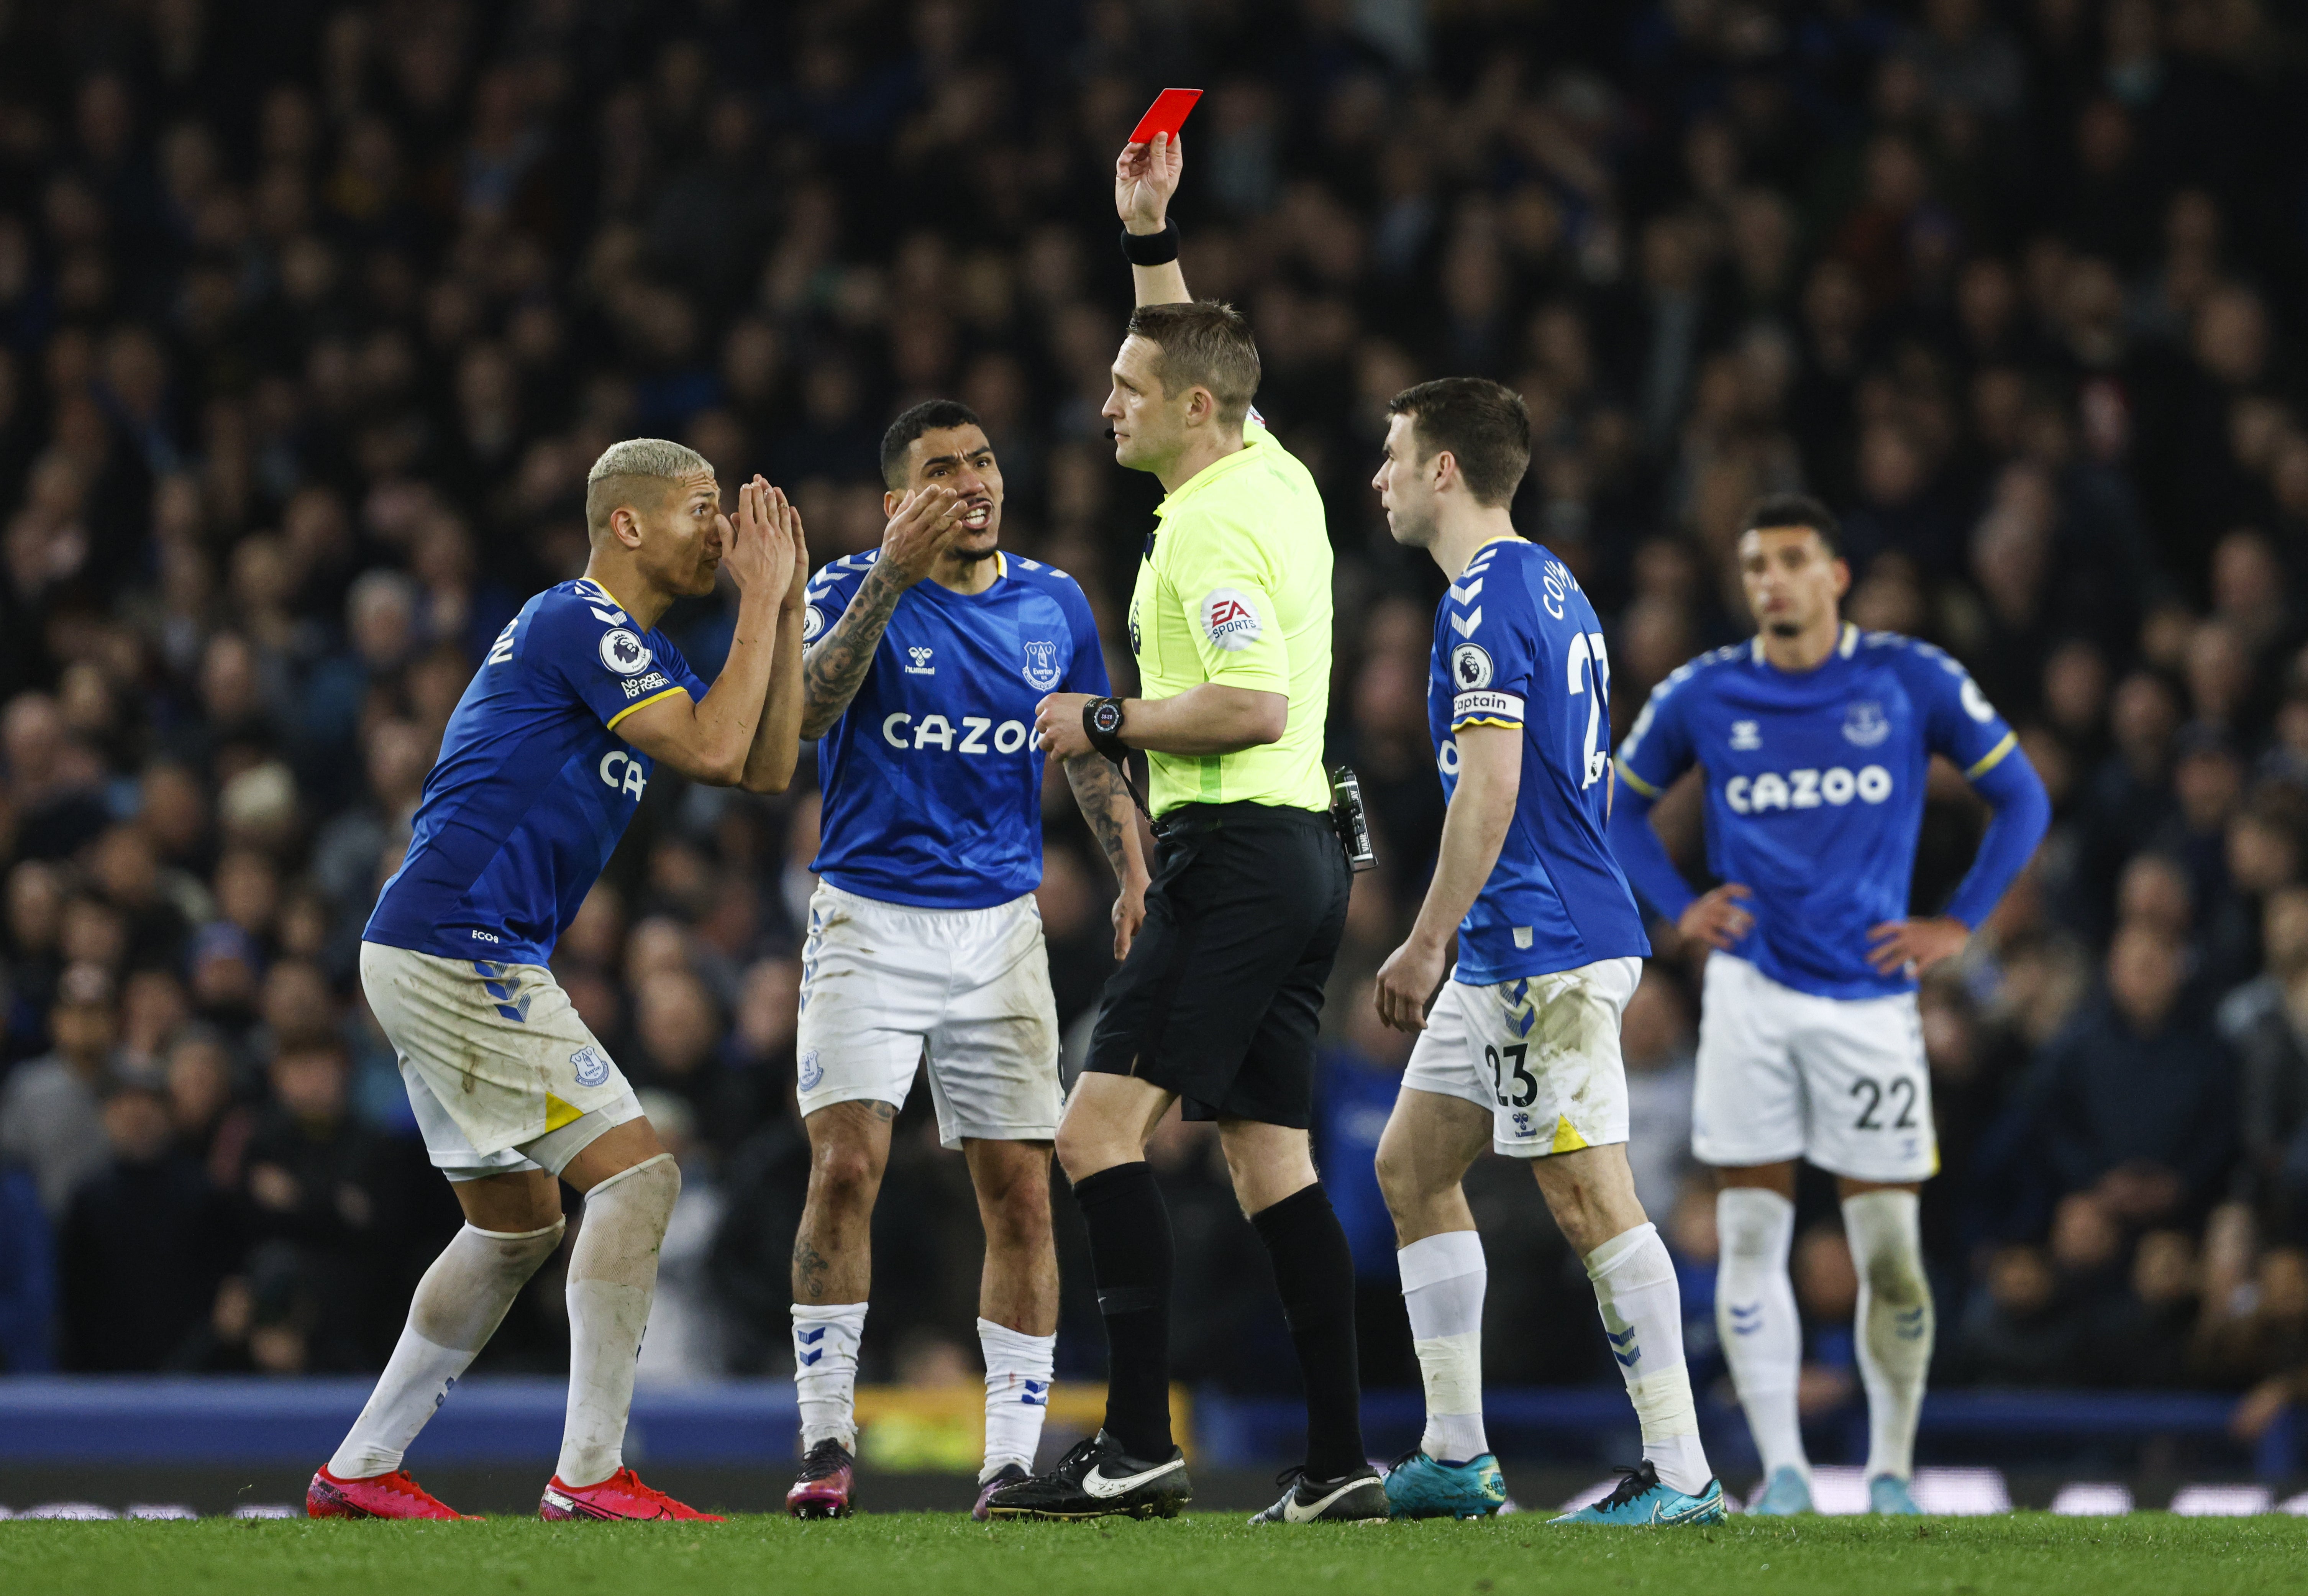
{"x": 1168, "y": 114}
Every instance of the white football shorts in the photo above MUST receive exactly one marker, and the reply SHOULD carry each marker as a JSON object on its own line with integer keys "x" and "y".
{"x": 1541, "y": 1054}
{"x": 1786, "y": 1074}
{"x": 883, "y": 985}
{"x": 502, "y": 1074}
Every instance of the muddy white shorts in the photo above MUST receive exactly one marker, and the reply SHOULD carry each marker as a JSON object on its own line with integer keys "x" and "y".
{"x": 1786, "y": 1074}
{"x": 502, "y": 1074}
{"x": 1541, "y": 1054}
{"x": 883, "y": 985}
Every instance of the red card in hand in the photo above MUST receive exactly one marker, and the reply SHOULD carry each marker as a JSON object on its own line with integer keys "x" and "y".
{"x": 1168, "y": 114}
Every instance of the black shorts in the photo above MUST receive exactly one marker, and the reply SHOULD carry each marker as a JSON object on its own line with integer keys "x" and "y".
{"x": 1221, "y": 995}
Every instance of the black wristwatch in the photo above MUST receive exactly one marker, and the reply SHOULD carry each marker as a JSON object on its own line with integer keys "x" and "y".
{"x": 1102, "y": 724}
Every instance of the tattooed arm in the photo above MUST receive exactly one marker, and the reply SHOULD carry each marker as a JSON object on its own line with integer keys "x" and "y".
{"x": 921, "y": 524}
{"x": 837, "y": 664}
{"x": 1113, "y": 816}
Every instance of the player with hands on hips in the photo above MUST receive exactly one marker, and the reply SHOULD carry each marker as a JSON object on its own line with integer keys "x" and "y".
{"x": 542, "y": 765}
{"x": 925, "y": 659}
{"x": 1518, "y": 1047}
{"x": 1813, "y": 740}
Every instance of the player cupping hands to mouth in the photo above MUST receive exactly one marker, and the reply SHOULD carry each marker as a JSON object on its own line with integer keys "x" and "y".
{"x": 542, "y": 765}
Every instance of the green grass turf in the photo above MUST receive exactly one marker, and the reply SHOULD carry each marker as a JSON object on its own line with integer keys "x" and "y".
{"x": 1201, "y": 1555}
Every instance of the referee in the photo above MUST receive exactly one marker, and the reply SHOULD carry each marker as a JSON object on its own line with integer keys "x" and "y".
{"x": 1219, "y": 999}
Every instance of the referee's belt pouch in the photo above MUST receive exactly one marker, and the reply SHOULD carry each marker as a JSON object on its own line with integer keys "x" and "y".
{"x": 1350, "y": 819}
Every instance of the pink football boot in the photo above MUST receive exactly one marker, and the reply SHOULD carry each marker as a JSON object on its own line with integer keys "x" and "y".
{"x": 621, "y": 1496}
{"x": 383, "y": 1496}
{"x": 826, "y": 1484}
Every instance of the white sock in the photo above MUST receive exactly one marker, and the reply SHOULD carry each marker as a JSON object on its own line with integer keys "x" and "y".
{"x": 1895, "y": 1322}
{"x": 1755, "y": 1316}
{"x": 612, "y": 1280}
{"x": 1443, "y": 1280}
{"x": 458, "y": 1305}
{"x": 825, "y": 1370}
{"x": 1018, "y": 1369}
{"x": 1642, "y": 1314}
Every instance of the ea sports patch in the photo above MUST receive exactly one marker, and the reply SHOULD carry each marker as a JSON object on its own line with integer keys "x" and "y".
{"x": 1470, "y": 668}
{"x": 1230, "y": 621}
{"x": 624, "y": 652}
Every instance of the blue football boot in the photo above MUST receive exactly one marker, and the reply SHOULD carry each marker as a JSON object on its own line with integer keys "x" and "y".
{"x": 1421, "y": 1486}
{"x": 1787, "y": 1494}
{"x": 1888, "y": 1493}
{"x": 1641, "y": 1502}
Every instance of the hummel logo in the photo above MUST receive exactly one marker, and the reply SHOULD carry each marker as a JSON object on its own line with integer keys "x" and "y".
{"x": 1623, "y": 1348}
{"x": 1908, "y": 1324}
{"x": 921, "y": 665}
{"x": 810, "y": 1338}
{"x": 1104, "y": 1486}
{"x": 1746, "y": 735}
{"x": 1747, "y": 1320}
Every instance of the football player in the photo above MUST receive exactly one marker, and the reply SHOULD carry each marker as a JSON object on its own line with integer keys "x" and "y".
{"x": 1814, "y": 739}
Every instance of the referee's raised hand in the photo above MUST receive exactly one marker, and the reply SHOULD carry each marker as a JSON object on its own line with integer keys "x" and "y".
{"x": 924, "y": 523}
{"x": 1145, "y": 178}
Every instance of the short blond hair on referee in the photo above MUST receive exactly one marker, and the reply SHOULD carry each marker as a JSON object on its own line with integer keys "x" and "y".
{"x": 619, "y": 476}
{"x": 1205, "y": 344}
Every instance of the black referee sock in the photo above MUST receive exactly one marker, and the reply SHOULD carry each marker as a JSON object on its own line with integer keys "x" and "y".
{"x": 1130, "y": 1260}
{"x": 1315, "y": 1273}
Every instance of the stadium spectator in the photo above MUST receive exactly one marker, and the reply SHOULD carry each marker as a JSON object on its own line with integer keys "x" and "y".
{"x": 310, "y": 1185}
{"x": 50, "y": 1115}
{"x": 2139, "y": 1098}
{"x": 142, "y": 1248}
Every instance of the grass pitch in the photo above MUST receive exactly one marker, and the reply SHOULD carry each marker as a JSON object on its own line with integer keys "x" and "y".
{"x": 1201, "y": 1554}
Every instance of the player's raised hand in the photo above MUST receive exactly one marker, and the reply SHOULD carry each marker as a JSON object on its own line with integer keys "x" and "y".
{"x": 1718, "y": 918}
{"x": 1406, "y": 984}
{"x": 1145, "y": 177}
{"x": 746, "y": 552}
{"x": 925, "y": 522}
{"x": 1921, "y": 942}
{"x": 789, "y": 513}
{"x": 762, "y": 543}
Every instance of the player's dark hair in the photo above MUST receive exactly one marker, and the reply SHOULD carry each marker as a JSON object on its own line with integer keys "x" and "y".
{"x": 1206, "y": 344}
{"x": 932, "y": 415}
{"x": 1775, "y": 511}
{"x": 1484, "y": 425}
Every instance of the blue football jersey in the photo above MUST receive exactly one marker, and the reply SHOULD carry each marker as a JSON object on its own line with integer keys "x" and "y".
{"x": 1516, "y": 644}
{"x": 1815, "y": 788}
{"x": 932, "y": 784}
{"x": 533, "y": 787}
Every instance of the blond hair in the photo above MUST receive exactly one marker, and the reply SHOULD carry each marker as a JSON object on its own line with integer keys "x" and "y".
{"x": 617, "y": 478}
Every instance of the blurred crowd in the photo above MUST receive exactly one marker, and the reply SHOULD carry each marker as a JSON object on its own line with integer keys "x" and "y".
{"x": 313, "y": 316}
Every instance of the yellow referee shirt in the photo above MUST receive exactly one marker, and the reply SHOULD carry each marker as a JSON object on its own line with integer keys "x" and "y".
{"x": 1235, "y": 589}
